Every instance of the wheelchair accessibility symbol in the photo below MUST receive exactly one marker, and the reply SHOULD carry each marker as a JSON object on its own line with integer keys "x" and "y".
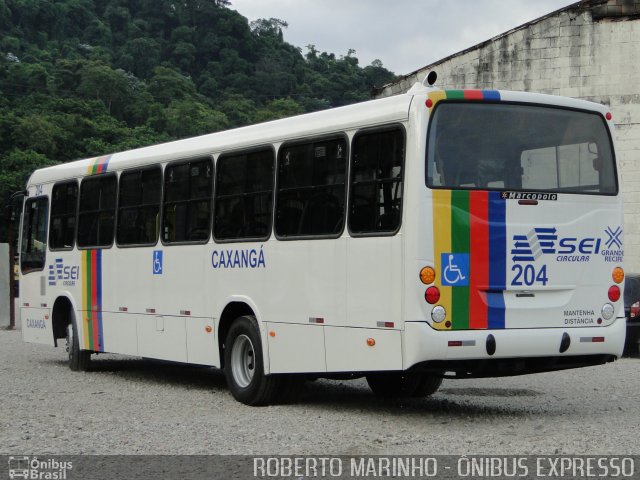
{"x": 455, "y": 269}
{"x": 157, "y": 262}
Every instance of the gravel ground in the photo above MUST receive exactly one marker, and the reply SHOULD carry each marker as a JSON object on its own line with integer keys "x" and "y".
{"x": 133, "y": 406}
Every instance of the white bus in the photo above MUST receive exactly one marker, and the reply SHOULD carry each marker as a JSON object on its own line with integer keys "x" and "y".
{"x": 435, "y": 234}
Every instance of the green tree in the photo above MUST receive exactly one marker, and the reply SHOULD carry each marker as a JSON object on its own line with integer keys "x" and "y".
{"x": 106, "y": 85}
{"x": 187, "y": 118}
{"x": 278, "y": 108}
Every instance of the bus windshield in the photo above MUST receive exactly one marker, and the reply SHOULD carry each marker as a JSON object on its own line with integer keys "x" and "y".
{"x": 486, "y": 146}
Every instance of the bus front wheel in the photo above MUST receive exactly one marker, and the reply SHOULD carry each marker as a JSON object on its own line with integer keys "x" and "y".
{"x": 403, "y": 384}
{"x": 244, "y": 365}
{"x": 79, "y": 360}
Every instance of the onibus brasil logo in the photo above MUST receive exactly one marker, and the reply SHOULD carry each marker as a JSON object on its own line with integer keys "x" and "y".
{"x": 33, "y": 468}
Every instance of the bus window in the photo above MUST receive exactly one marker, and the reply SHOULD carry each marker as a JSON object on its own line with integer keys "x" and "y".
{"x": 244, "y": 189}
{"x": 376, "y": 181}
{"x": 186, "y": 212}
{"x": 519, "y": 147}
{"x": 311, "y": 188}
{"x": 566, "y": 166}
{"x": 139, "y": 206}
{"x": 64, "y": 204}
{"x": 34, "y": 234}
{"x": 97, "y": 211}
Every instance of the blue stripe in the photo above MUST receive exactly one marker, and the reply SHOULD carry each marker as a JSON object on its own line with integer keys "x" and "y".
{"x": 106, "y": 163}
{"x": 491, "y": 95}
{"x": 497, "y": 259}
{"x": 99, "y": 299}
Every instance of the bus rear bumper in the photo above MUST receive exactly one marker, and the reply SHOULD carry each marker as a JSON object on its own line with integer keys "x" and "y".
{"x": 490, "y": 353}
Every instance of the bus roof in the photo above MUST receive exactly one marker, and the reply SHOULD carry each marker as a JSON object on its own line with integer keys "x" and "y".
{"x": 369, "y": 113}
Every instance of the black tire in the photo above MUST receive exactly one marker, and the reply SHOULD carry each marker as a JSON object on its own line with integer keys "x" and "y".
{"x": 244, "y": 365}
{"x": 403, "y": 384}
{"x": 429, "y": 385}
{"x": 631, "y": 345}
{"x": 79, "y": 360}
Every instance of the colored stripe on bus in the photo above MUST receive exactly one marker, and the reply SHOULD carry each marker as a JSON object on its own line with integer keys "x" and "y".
{"x": 478, "y": 259}
{"x": 92, "y": 299}
{"x": 460, "y": 244}
{"x": 98, "y": 165}
{"x": 497, "y": 259}
{"x": 480, "y": 95}
{"x": 442, "y": 243}
{"x": 471, "y": 223}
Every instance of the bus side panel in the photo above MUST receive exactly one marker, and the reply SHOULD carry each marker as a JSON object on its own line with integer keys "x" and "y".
{"x": 306, "y": 281}
{"x": 296, "y": 348}
{"x": 202, "y": 347}
{"x": 162, "y": 337}
{"x": 120, "y": 333}
{"x": 363, "y": 349}
{"x": 36, "y": 325}
{"x": 374, "y": 282}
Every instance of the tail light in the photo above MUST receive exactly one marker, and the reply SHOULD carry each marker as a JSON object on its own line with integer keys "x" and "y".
{"x": 432, "y": 295}
{"x": 634, "y": 310}
{"x": 614, "y": 293}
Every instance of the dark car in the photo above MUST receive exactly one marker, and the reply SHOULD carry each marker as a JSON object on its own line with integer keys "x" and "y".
{"x": 632, "y": 313}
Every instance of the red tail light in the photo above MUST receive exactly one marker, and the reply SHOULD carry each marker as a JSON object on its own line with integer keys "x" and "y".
{"x": 634, "y": 310}
{"x": 432, "y": 295}
{"x": 614, "y": 293}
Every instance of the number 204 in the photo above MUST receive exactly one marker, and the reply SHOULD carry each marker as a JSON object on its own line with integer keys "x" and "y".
{"x": 528, "y": 275}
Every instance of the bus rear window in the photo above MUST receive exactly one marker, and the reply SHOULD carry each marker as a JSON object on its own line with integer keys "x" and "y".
{"x": 484, "y": 146}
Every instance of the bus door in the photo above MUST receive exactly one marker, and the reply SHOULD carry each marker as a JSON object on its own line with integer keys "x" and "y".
{"x": 35, "y": 314}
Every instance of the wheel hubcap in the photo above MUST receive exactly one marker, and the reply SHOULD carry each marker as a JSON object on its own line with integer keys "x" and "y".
{"x": 243, "y": 365}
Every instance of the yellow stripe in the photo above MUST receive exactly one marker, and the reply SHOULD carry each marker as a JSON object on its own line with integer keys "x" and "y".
{"x": 83, "y": 284}
{"x": 442, "y": 244}
{"x": 436, "y": 96}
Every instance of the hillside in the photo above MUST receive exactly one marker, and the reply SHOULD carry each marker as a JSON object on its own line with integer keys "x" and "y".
{"x": 82, "y": 78}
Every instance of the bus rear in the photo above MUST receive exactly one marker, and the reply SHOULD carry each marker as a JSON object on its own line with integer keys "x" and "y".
{"x": 521, "y": 270}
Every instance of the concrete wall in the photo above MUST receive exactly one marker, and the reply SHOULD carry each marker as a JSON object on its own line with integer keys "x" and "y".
{"x": 5, "y": 284}
{"x": 589, "y": 50}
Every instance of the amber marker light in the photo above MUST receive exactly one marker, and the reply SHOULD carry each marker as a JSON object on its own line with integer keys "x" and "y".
{"x": 208, "y": 329}
{"x": 371, "y": 342}
{"x": 272, "y": 333}
{"x": 427, "y": 275}
{"x": 618, "y": 275}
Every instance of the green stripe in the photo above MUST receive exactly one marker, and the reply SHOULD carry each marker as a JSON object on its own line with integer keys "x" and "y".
{"x": 455, "y": 95}
{"x": 460, "y": 228}
{"x": 94, "y": 169}
{"x": 89, "y": 326}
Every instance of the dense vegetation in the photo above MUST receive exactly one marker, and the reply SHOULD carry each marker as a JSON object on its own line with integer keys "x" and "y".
{"x": 81, "y": 78}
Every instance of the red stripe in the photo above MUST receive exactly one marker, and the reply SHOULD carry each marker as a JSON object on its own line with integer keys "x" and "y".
{"x": 102, "y": 164}
{"x": 94, "y": 297}
{"x": 479, "y": 259}
{"x": 473, "y": 95}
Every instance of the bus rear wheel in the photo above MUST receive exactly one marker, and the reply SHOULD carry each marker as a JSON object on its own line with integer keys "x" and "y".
{"x": 79, "y": 360}
{"x": 244, "y": 365}
{"x": 403, "y": 384}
